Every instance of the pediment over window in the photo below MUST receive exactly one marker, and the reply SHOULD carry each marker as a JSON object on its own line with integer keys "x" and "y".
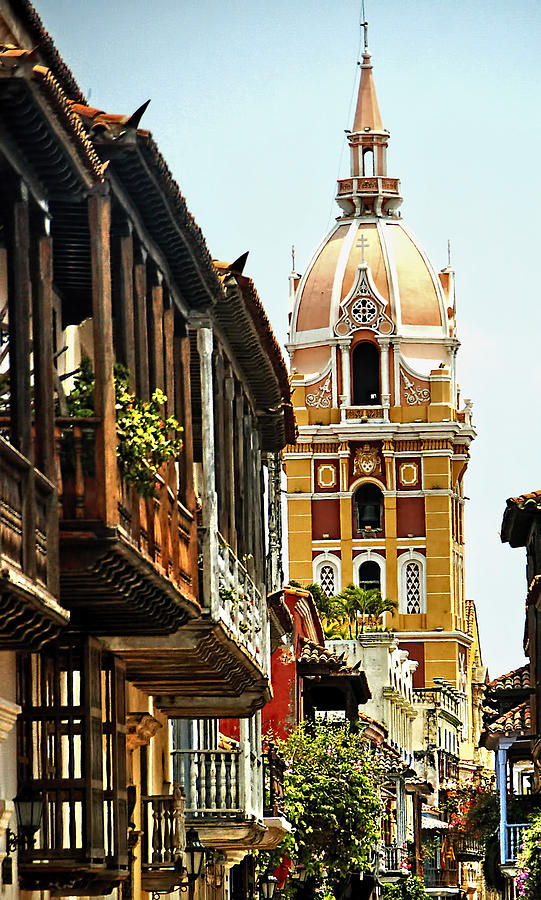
{"x": 363, "y": 307}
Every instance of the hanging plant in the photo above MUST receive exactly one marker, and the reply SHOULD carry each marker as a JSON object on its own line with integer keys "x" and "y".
{"x": 528, "y": 879}
{"x": 146, "y": 440}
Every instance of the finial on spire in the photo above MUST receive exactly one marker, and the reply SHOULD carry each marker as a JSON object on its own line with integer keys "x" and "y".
{"x": 293, "y": 257}
{"x": 364, "y": 26}
{"x": 449, "y": 252}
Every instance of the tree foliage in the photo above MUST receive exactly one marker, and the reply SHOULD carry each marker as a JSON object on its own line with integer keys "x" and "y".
{"x": 410, "y": 889}
{"x": 351, "y": 612}
{"x": 332, "y": 802}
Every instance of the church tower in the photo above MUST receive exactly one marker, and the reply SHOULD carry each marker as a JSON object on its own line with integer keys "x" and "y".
{"x": 375, "y": 494}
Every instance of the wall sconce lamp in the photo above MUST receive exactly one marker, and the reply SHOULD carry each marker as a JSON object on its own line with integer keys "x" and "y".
{"x": 29, "y": 811}
{"x": 193, "y": 856}
{"x": 267, "y": 885}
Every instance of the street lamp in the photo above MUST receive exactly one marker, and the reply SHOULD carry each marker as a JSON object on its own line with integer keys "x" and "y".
{"x": 194, "y": 854}
{"x": 29, "y": 811}
{"x": 267, "y": 885}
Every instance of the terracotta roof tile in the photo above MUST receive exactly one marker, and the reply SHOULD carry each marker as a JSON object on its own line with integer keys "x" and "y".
{"x": 516, "y": 721}
{"x": 517, "y": 680}
{"x": 47, "y": 49}
{"x": 314, "y": 654}
{"x": 526, "y": 501}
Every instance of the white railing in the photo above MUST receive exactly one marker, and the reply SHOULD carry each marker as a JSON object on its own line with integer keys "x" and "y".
{"x": 221, "y": 783}
{"x": 240, "y": 603}
{"x": 515, "y": 834}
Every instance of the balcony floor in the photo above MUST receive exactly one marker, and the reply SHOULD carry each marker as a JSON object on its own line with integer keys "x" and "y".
{"x": 199, "y": 671}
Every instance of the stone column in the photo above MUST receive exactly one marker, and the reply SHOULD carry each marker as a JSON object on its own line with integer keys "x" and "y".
{"x": 346, "y": 374}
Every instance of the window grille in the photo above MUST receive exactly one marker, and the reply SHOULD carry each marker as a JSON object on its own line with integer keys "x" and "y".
{"x": 413, "y": 587}
{"x": 327, "y": 580}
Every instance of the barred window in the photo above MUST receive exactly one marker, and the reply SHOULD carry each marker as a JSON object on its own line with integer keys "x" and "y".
{"x": 327, "y": 580}
{"x": 413, "y": 587}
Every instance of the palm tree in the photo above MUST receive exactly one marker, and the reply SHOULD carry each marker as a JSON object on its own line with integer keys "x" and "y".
{"x": 364, "y": 605}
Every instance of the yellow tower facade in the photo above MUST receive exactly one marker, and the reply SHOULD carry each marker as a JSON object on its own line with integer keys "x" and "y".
{"x": 375, "y": 481}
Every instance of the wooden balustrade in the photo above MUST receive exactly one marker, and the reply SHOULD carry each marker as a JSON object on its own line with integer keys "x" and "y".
{"x": 163, "y": 836}
{"x": 273, "y": 782}
{"x": 160, "y": 527}
{"x": 240, "y": 602}
{"x": 27, "y": 519}
{"x": 211, "y": 781}
{"x": 395, "y": 857}
{"x": 515, "y": 836}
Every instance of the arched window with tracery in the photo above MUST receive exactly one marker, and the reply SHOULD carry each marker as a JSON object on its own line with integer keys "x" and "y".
{"x": 327, "y": 574}
{"x": 327, "y": 580}
{"x": 365, "y": 374}
{"x": 412, "y": 585}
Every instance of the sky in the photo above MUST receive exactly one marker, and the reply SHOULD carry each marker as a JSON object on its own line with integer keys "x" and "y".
{"x": 250, "y": 100}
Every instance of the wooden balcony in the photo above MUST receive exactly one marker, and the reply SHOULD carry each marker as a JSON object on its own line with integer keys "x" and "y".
{"x": 394, "y": 860}
{"x": 135, "y": 572}
{"x": 30, "y": 613}
{"x": 468, "y": 848}
{"x": 514, "y": 839}
{"x": 217, "y": 664}
{"x": 224, "y": 798}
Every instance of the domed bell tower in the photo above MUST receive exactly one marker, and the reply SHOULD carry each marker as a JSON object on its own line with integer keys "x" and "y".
{"x": 375, "y": 481}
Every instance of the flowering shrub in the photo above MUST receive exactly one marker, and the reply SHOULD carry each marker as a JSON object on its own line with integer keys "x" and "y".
{"x": 332, "y": 801}
{"x": 472, "y": 809}
{"x": 528, "y": 879}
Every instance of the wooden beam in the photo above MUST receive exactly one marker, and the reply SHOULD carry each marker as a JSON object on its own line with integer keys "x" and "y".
{"x": 141, "y": 329}
{"x": 42, "y": 336}
{"x": 126, "y": 312}
{"x": 99, "y": 215}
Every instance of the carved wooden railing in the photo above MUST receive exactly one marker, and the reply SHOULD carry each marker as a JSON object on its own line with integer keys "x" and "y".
{"x": 220, "y": 783}
{"x": 27, "y": 518}
{"x": 240, "y": 602}
{"x": 273, "y": 782}
{"x": 467, "y": 847}
{"x": 160, "y": 527}
{"x": 394, "y": 857}
{"x": 515, "y": 837}
{"x": 163, "y": 837}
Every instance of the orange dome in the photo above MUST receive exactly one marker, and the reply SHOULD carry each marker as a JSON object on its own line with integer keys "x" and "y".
{"x": 402, "y": 276}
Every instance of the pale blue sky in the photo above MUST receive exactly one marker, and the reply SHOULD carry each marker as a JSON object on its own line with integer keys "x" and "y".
{"x": 249, "y": 105}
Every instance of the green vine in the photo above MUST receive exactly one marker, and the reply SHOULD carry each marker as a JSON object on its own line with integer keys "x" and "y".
{"x": 146, "y": 440}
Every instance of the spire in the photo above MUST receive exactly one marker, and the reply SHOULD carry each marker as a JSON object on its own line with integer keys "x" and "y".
{"x": 367, "y": 114}
{"x": 368, "y": 191}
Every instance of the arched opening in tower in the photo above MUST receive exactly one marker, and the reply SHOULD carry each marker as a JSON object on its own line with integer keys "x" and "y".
{"x": 365, "y": 366}
{"x": 369, "y": 575}
{"x": 368, "y": 503}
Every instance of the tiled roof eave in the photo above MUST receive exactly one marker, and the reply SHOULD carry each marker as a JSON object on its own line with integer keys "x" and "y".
{"x": 165, "y": 215}
{"x": 47, "y": 50}
{"x": 47, "y": 134}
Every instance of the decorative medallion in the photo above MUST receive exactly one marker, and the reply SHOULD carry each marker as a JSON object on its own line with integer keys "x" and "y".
{"x": 320, "y": 396}
{"x": 326, "y": 475}
{"x": 366, "y": 461}
{"x": 408, "y": 473}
